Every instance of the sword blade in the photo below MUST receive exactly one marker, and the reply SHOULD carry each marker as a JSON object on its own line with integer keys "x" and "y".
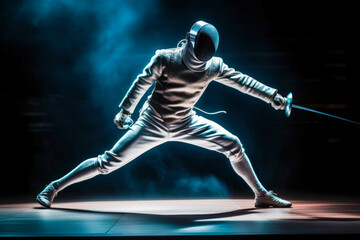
{"x": 322, "y": 113}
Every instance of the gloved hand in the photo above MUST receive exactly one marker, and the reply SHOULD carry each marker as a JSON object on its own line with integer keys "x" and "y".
{"x": 279, "y": 102}
{"x": 123, "y": 119}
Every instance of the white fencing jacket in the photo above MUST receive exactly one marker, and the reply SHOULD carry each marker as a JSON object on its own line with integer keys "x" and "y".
{"x": 178, "y": 88}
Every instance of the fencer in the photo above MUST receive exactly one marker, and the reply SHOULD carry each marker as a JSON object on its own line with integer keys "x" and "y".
{"x": 180, "y": 75}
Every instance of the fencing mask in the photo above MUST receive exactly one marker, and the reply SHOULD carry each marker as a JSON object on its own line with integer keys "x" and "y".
{"x": 202, "y": 43}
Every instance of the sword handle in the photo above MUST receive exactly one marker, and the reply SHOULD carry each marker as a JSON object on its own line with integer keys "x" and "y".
{"x": 289, "y": 99}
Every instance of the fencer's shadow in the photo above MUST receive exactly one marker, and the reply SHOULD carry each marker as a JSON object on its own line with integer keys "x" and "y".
{"x": 178, "y": 219}
{"x": 192, "y": 219}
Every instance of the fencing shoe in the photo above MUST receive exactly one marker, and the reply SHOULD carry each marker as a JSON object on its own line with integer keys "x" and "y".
{"x": 270, "y": 200}
{"x": 46, "y": 197}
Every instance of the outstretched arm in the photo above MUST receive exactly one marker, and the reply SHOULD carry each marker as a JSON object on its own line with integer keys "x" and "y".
{"x": 142, "y": 83}
{"x": 246, "y": 84}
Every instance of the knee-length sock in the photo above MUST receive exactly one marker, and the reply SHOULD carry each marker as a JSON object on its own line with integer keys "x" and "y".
{"x": 85, "y": 170}
{"x": 244, "y": 169}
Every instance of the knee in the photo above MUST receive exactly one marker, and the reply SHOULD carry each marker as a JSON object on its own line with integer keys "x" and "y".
{"x": 108, "y": 162}
{"x": 237, "y": 151}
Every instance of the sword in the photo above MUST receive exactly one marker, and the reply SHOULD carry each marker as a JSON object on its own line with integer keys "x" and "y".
{"x": 290, "y": 105}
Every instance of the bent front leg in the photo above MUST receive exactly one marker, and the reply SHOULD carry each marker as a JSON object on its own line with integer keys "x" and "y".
{"x": 210, "y": 135}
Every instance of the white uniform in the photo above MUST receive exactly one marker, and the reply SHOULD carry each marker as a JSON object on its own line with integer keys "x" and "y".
{"x": 168, "y": 116}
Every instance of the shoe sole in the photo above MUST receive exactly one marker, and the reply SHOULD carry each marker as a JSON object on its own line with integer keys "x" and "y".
{"x": 265, "y": 205}
{"x": 42, "y": 203}
{"x": 262, "y": 205}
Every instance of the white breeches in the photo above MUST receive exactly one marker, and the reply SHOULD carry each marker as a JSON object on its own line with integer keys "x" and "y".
{"x": 150, "y": 131}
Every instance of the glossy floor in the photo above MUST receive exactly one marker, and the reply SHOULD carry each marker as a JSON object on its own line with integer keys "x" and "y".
{"x": 178, "y": 218}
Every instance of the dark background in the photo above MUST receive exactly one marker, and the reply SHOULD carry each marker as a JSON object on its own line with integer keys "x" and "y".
{"x": 66, "y": 65}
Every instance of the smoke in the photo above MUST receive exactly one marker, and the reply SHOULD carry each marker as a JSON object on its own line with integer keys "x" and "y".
{"x": 163, "y": 172}
{"x": 205, "y": 186}
{"x": 99, "y": 38}
{"x": 83, "y": 56}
